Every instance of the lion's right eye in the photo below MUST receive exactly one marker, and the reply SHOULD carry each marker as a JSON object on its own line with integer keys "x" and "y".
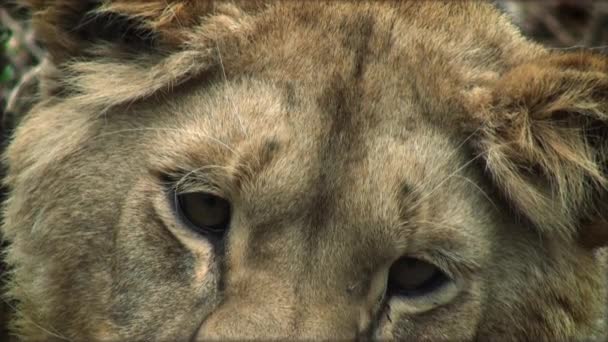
{"x": 208, "y": 213}
{"x": 412, "y": 277}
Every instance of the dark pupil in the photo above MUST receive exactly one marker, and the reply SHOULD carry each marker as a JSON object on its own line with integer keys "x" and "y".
{"x": 205, "y": 211}
{"x": 413, "y": 277}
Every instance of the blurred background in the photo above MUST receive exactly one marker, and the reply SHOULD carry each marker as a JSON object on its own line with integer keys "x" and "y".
{"x": 561, "y": 24}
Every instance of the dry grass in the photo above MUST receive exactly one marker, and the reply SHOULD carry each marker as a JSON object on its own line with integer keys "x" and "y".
{"x": 18, "y": 49}
{"x": 563, "y": 23}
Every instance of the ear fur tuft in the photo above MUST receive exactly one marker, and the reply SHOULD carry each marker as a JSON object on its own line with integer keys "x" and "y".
{"x": 106, "y": 52}
{"x": 545, "y": 139}
{"x": 68, "y": 28}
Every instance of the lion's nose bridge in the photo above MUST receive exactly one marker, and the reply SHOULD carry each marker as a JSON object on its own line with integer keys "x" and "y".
{"x": 268, "y": 312}
{"x": 315, "y": 302}
{"x": 296, "y": 281}
{"x": 254, "y": 315}
{"x": 238, "y": 320}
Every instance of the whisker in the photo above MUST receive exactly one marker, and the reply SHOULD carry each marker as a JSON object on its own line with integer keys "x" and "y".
{"x": 436, "y": 224}
{"x": 76, "y": 235}
{"x": 456, "y": 150}
{"x": 577, "y": 47}
{"x": 185, "y": 177}
{"x": 234, "y": 110}
{"x": 50, "y": 330}
{"x": 421, "y": 199}
{"x": 476, "y": 186}
{"x": 181, "y": 130}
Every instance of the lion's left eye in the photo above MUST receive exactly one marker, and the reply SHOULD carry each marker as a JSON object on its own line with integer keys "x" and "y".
{"x": 208, "y": 213}
{"x": 410, "y": 277}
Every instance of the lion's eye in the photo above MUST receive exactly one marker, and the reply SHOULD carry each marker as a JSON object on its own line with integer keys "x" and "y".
{"x": 411, "y": 277}
{"x": 208, "y": 213}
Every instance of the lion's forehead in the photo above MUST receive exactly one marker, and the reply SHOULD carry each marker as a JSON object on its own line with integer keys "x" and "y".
{"x": 332, "y": 163}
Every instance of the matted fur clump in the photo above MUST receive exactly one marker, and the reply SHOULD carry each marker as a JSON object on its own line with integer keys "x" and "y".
{"x": 315, "y": 170}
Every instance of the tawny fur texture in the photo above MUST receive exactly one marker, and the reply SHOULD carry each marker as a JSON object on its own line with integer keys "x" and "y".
{"x": 346, "y": 135}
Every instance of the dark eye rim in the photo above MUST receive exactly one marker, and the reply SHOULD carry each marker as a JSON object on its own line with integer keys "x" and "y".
{"x": 216, "y": 231}
{"x": 437, "y": 281}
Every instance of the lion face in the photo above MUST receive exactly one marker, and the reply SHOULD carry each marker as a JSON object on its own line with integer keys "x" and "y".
{"x": 394, "y": 170}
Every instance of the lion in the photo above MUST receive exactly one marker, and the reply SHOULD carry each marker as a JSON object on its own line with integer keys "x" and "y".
{"x": 336, "y": 170}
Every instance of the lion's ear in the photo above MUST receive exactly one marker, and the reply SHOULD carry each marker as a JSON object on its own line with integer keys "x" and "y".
{"x": 73, "y": 28}
{"x": 545, "y": 143}
{"x": 110, "y": 52}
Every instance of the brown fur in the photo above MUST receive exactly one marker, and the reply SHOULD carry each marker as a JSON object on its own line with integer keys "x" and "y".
{"x": 345, "y": 134}
{"x": 545, "y": 136}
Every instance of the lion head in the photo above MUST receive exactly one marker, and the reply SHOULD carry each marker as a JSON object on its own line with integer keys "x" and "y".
{"x": 306, "y": 170}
